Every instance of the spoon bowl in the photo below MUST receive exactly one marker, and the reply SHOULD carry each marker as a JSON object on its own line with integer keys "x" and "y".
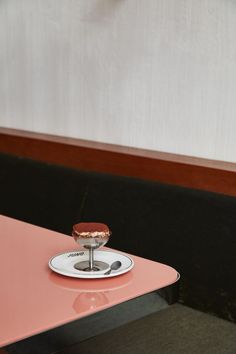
{"x": 114, "y": 266}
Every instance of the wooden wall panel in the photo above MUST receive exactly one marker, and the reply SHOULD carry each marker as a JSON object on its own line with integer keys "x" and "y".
{"x": 185, "y": 171}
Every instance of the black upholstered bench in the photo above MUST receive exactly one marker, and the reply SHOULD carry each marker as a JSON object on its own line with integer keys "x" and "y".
{"x": 194, "y": 231}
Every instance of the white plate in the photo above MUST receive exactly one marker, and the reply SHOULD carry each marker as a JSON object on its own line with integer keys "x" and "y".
{"x": 64, "y": 264}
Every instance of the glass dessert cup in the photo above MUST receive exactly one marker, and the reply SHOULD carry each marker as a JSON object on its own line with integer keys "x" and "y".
{"x": 91, "y": 243}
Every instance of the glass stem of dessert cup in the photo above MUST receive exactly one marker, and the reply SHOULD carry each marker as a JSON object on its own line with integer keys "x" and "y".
{"x": 91, "y": 259}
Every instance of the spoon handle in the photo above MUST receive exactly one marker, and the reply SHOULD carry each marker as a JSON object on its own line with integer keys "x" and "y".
{"x": 108, "y": 272}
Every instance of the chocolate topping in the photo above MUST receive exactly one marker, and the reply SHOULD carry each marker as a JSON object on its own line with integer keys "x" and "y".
{"x": 91, "y": 229}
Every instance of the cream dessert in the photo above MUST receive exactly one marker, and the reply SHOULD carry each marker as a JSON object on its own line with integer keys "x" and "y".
{"x": 91, "y": 234}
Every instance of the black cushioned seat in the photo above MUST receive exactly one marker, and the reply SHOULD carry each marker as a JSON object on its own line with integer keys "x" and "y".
{"x": 41, "y": 194}
{"x": 194, "y": 231}
{"x": 175, "y": 330}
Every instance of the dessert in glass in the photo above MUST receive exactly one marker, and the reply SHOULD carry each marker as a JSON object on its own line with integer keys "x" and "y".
{"x": 91, "y": 235}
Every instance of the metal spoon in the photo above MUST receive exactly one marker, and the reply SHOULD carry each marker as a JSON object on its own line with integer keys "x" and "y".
{"x": 114, "y": 266}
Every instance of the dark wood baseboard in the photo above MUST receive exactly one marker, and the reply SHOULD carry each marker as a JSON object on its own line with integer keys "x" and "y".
{"x": 215, "y": 176}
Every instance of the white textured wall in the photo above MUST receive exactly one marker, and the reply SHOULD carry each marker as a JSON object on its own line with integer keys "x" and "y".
{"x": 156, "y": 74}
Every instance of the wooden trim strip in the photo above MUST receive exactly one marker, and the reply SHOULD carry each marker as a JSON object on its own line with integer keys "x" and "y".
{"x": 210, "y": 175}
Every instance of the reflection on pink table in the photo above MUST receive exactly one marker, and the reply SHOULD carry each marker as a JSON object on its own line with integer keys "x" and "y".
{"x": 90, "y": 295}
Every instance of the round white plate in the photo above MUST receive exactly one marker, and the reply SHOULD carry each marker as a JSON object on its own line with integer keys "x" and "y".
{"x": 64, "y": 264}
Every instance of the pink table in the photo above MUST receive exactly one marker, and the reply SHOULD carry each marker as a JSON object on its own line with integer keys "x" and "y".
{"x": 34, "y": 299}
